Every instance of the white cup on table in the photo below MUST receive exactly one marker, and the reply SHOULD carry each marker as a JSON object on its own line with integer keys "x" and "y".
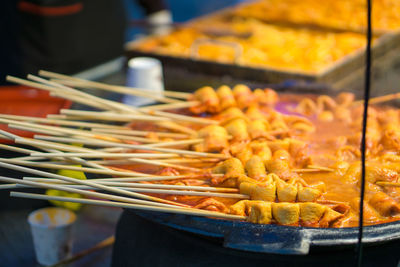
{"x": 144, "y": 73}
{"x": 52, "y": 234}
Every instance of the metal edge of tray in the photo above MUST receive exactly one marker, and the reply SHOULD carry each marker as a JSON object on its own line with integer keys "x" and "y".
{"x": 275, "y": 239}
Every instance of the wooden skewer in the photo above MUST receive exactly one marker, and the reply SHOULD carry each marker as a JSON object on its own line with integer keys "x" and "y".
{"x": 73, "y": 168}
{"x": 379, "y": 99}
{"x": 164, "y": 164}
{"x": 50, "y": 89}
{"x": 176, "y": 127}
{"x": 8, "y": 186}
{"x": 172, "y": 160}
{"x": 111, "y": 88}
{"x": 140, "y": 133}
{"x": 149, "y": 148}
{"x": 177, "y": 143}
{"x": 83, "y": 192}
{"x": 143, "y": 185}
{"x": 112, "y": 128}
{"x": 77, "y": 95}
{"x": 322, "y": 168}
{"x": 330, "y": 202}
{"x": 82, "y": 182}
{"x": 97, "y": 100}
{"x": 134, "y": 179}
{"x": 56, "y": 130}
{"x": 103, "y": 155}
{"x": 112, "y": 116}
{"x": 29, "y": 151}
{"x": 130, "y": 206}
{"x": 178, "y": 117}
{"x": 49, "y": 74}
{"x": 101, "y": 245}
{"x": 179, "y": 105}
{"x": 391, "y": 184}
{"x": 158, "y": 191}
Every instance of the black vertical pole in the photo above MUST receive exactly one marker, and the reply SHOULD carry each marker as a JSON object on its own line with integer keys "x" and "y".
{"x": 364, "y": 129}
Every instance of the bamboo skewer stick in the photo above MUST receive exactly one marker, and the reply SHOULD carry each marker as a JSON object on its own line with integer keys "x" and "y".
{"x": 176, "y": 127}
{"x": 112, "y": 116}
{"x": 103, "y": 155}
{"x": 142, "y": 185}
{"x": 139, "y": 133}
{"x": 112, "y": 88}
{"x": 177, "y": 143}
{"x": 156, "y": 191}
{"x": 8, "y": 186}
{"x": 101, "y": 245}
{"x": 85, "y": 193}
{"x": 131, "y": 206}
{"x": 56, "y": 130}
{"x": 322, "y": 168}
{"x": 172, "y": 160}
{"x": 49, "y": 74}
{"x": 164, "y": 164}
{"x": 105, "y": 127}
{"x": 82, "y": 182}
{"x": 50, "y": 89}
{"x": 65, "y": 89}
{"x": 135, "y": 179}
{"x": 73, "y": 168}
{"x": 179, "y": 105}
{"x": 389, "y": 184}
{"x": 126, "y": 107}
{"x": 149, "y": 148}
{"x": 379, "y": 99}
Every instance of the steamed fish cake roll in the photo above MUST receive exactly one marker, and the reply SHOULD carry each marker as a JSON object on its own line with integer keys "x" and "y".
{"x": 231, "y": 168}
{"x": 254, "y": 113}
{"x": 261, "y": 149}
{"x": 330, "y": 217}
{"x": 260, "y": 212}
{"x": 243, "y": 207}
{"x": 237, "y": 129}
{"x": 284, "y": 191}
{"x": 215, "y": 139}
{"x": 208, "y": 99}
{"x": 258, "y": 128}
{"x": 243, "y": 95}
{"x": 385, "y": 205}
{"x": 255, "y": 168}
{"x": 311, "y": 213}
{"x": 230, "y": 114}
{"x": 226, "y": 98}
{"x": 307, "y": 194}
{"x": 258, "y": 191}
{"x": 286, "y": 213}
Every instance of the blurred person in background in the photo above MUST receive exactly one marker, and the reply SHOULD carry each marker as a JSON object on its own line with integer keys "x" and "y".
{"x": 67, "y": 36}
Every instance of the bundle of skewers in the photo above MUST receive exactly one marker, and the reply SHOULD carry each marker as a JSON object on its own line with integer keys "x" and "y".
{"x": 222, "y": 153}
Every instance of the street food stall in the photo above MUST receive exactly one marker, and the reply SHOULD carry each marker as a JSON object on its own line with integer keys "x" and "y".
{"x": 256, "y": 149}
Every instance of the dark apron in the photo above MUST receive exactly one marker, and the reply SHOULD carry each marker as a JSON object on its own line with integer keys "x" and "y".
{"x": 68, "y": 36}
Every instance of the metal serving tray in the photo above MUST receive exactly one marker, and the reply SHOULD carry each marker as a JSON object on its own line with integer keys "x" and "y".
{"x": 344, "y": 73}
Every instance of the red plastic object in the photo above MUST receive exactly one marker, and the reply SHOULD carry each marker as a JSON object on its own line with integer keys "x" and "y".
{"x": 26, "y": 101}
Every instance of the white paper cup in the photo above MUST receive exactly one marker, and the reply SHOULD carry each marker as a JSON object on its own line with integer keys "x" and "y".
{"x": 52, "y": 234}
{"x": 144, "y": 73}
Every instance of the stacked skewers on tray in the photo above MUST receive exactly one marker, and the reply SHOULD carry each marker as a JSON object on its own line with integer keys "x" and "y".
{"x": 231, "y": 154}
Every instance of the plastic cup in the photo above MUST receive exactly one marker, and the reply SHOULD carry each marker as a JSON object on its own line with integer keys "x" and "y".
{"x": 52, "y": 234}
{"x": 144, "y": 73}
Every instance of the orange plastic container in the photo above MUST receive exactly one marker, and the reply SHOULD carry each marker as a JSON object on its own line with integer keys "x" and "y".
{"x": 26, "y": 101}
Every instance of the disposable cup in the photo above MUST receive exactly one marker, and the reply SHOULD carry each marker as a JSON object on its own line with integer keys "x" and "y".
{"x": 146, "y": 74}
{"x": 52, "y": 234}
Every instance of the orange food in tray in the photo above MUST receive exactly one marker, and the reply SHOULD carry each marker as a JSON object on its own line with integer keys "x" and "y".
{"x": 296, "y": 158}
